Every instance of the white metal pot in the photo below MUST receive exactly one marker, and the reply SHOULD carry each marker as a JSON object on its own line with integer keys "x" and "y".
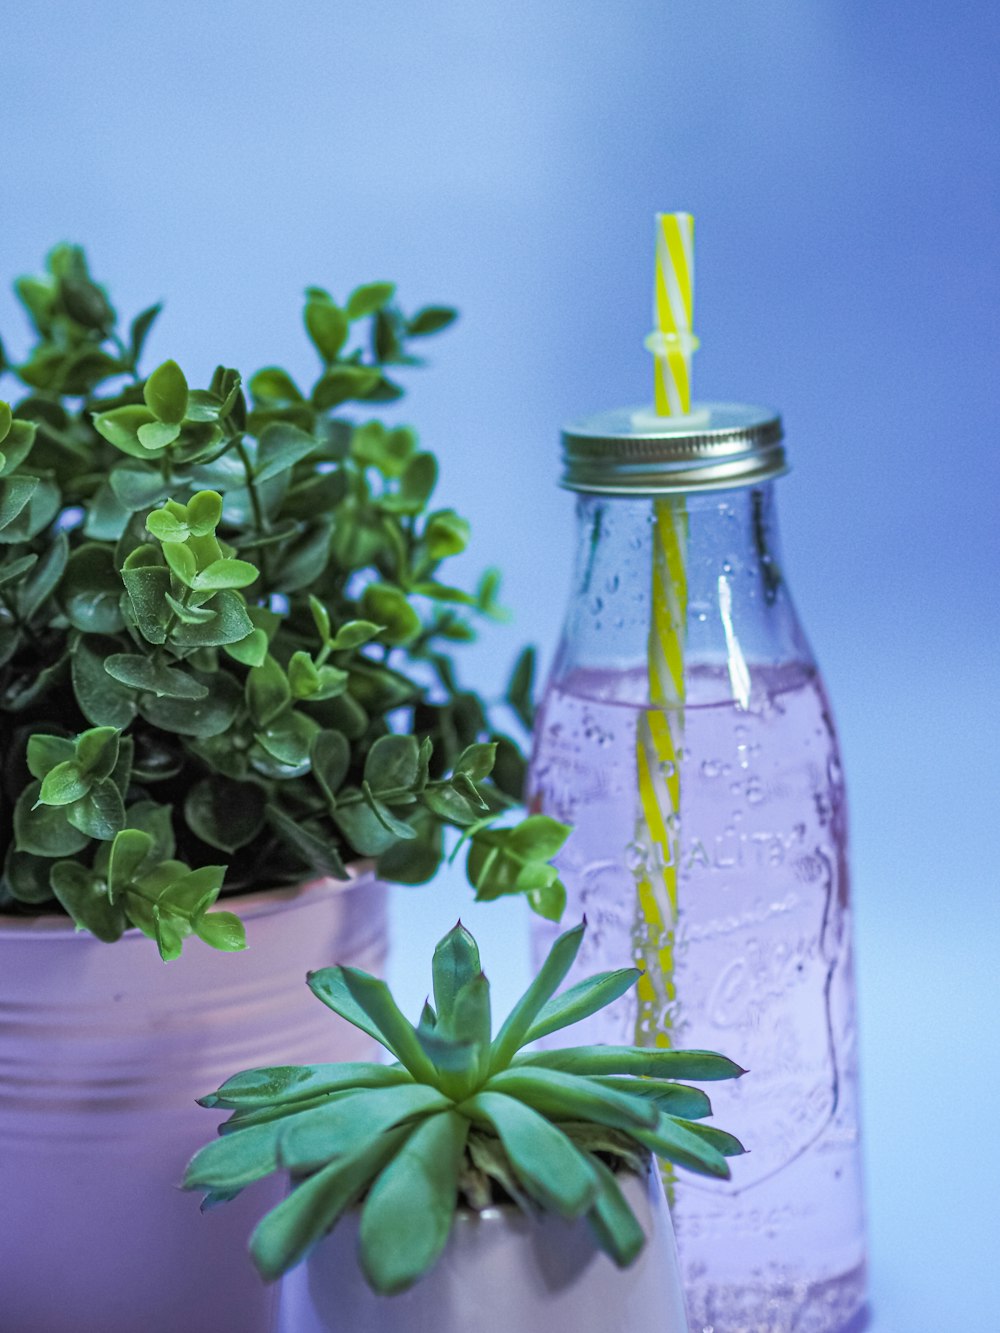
{"x": 501, "y": 1272}
{"x": 103, "y": 1050}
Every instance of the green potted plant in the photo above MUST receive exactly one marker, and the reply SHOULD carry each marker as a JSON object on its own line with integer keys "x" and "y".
{"x": 478, "y": 1184}
{"x": 229, "y": 713}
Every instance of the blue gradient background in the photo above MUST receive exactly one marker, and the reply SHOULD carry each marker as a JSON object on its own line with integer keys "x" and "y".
{"x": 841, "y": 161}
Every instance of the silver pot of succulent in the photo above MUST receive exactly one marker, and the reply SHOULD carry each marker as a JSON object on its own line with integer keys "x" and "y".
{"x": 471, "y": 1183}
{"x": 228, "y": 715}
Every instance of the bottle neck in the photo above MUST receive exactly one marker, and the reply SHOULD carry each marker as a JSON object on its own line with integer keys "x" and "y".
{"x": 705, "y": 572}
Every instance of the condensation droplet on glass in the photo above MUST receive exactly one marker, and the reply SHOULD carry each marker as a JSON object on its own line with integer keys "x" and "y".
{"x": 710, "y": 768}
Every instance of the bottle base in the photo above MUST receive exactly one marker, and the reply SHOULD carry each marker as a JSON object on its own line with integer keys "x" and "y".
{"x": 837, "y": 1305}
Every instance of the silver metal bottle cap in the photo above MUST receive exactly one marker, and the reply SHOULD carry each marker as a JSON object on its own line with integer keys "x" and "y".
{"x": 632, "y": 451}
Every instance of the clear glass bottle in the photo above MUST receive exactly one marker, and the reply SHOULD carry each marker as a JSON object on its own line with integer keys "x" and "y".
{"x": 761, "y": 934}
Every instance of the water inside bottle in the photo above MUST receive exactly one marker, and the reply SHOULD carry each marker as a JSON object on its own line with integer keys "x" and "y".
{"x": 762, "y": 969}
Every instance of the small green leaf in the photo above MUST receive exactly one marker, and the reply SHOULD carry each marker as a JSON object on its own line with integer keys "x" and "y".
{"x": 64, "y": 784}
{"x": 45, "y": 752}
{"x": 221, "y": 930}
{"x": 320, "y": 854}
{"x": 100, "y": 814}
{"x": 139, "y": 331}
{"x": 343, "y": 384}
{"x": 120, "y": 427}
{"x": 251, "y": 651}
{"x": 44, "y": 830}
{"x": 281, "y": 447}
{"x": 368, "y": 298}
{"x": 157, "y": 435}
{"x": 275, "y": 386}
{"x": 204, "y": 512}
{"x": 430, "y": 319}
{"x": 225, "y": 573}
{"x": 225, "y": 814}
{"x": 520, "y": 689}
{"x": 167, "y": 527}
{"x": 166, "y": 393}
{"x": 143, "y": 673}
{"x": 387, "y": 606}
{"x": 476, "y": 761}
{"x": 267, "y": 691}
{"x": 182, "y": 562}
{"x": 97, "y": 752}
{"x": 85, "y": 898}
{"x": 392, "y": 763}
{"x": 131, "y": 850}
{"x": 327, "y": 326}
{"x": 445, "y": 534}
{"x": 15, "y": 494}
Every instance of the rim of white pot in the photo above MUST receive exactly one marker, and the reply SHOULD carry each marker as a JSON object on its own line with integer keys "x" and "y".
{"x": 256, "y": 903}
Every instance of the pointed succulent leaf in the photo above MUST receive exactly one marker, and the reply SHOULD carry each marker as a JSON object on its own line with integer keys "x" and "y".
{"x": 674, "y": 1098}
{"x": 725, "y": 1143}
{"x": 612, "y": 1221}
{"x": 545, "y": 1160}
{"x": 681, "y": 1144}
{"x": 654, "y": 1062}
{"x": 582, "y": 1000}
{"x": 570, "y": 1097}
{"x": 236, "y": 1160}
{"x": 312, "y": 1137}
{"x": 290, "y": 1230}
{"x": 514, "y": 1032}
{"x": 292, "y": 1083}
{"x": 407, "y": 1216}
{"x": 330, "y": 985}
{"x": 375, "y": 999}
{"x": 456, "y": 962}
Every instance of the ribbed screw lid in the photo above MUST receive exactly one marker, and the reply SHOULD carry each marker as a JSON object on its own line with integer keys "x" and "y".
{"x": 717, "y": 446}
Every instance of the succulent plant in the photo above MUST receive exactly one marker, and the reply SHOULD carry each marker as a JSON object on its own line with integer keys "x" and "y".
{"x": 225, "y": 634}
{"x": 459, "y": 1117}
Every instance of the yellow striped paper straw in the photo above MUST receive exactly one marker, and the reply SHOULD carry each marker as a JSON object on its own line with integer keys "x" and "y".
{"x": 672, "y": 341}
{"x": 660, "y": 731}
